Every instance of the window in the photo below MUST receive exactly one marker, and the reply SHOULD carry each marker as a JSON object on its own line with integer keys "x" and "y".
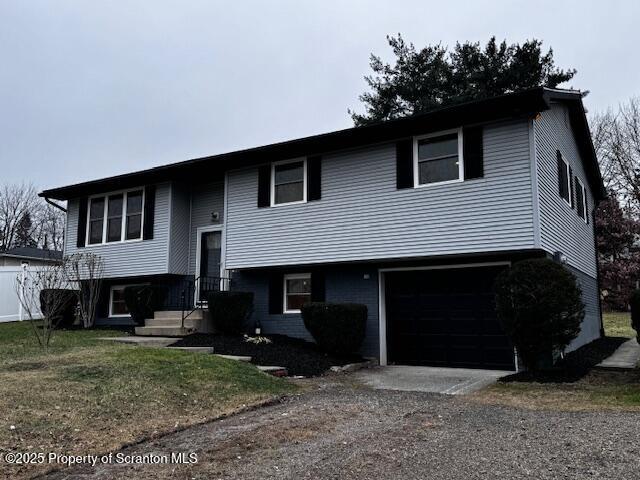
{"x": 96, "y": 220}
{"x": 564, "y": 179}
{"x": 117, "y": 305}
{"x": 297, "y": 291}
{"x": 581, "y": 200}
{"x": 289, "y": 183}
{"x": 115, "y": 217}
{"x": 134, "y": 215}
{"x": 438, "y": 158}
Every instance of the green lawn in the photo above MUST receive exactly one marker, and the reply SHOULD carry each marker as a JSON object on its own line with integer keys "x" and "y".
{"x": 618, "y": 324}
{"x": 89, "y": 396}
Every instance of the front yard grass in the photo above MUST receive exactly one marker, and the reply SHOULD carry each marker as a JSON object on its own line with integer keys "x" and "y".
{"x": 618, "y": 324}
{"x": 91, "y": 396}
{"x": 597, "y": 391}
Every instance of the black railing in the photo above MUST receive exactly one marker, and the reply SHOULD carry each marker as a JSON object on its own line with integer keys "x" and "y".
{"x": 188, "y": 294}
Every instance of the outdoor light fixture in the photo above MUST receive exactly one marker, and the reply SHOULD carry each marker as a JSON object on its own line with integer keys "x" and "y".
{"x": 560, "y": 257}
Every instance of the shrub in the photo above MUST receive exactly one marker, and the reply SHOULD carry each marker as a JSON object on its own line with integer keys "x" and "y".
{"x": 143, "y": 300}
{"x": 540, "y": 307}
{"x": 58, "y": 306}
{"x": 336, "y": 327}
{"x": 634, "y": 301}
{"x": 230, "y": 311}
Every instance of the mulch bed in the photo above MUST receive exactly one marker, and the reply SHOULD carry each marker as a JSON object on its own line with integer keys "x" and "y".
{"x": 575, "y": 365}
{"x": 299, "y": 357}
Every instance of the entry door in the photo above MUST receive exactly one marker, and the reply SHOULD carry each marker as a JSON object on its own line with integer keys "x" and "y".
{"x": 210, "y": 263}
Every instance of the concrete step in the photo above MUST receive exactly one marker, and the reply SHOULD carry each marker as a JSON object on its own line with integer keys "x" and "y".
{"x": 194, "y": 349}
{"x": 235, "y": 357}
{"x": 163, "y": 331}
{"x": 163, "y": 322}
{"x": 273, "y": 370}
{"x": 177, "y": 314}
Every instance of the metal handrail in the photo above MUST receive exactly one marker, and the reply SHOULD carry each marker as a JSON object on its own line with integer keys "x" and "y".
{"x": 219, "y": 281}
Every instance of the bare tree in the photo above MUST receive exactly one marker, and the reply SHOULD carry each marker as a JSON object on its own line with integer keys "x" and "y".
{"x": 26, "y": 219}
{"x": 85, "y": 270}
{"x": 16, "y": 201}
{"x": 616, "y": 138}
{"x": 43, "y": 296}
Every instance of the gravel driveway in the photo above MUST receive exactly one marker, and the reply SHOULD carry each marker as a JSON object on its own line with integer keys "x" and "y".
{"x": 341, "y": 431}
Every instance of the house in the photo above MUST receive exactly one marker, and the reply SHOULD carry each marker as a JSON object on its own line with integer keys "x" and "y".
{"x": 36, "y": 257}
{"x": 413, "y": 218}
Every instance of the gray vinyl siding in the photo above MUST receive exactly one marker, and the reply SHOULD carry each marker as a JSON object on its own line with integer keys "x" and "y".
{"x": 205, "y": 199}
{"x": 343, "y": 285}
{"x": 561, "y": 229}
{"x": 362, "y": 215}
{"x": 590, "y": 328}
{"x": 128, "y": 259}
{"x": 180, "y": 224}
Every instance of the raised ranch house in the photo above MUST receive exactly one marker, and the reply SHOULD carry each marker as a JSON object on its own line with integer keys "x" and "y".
{"x": 412, "y": 217}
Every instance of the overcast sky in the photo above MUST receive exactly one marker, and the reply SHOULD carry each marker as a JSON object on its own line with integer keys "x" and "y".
{"x": 96, "y": 88}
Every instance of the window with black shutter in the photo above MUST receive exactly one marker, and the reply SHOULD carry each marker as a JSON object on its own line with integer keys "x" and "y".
{"x": 564, "y": 179}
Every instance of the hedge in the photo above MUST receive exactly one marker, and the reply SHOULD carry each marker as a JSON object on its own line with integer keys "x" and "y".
{"x": 336, "y": 327}
{"x": 230, "y": 311}
{"x": 144, "y": 300}
{"x": 65, "y": 314}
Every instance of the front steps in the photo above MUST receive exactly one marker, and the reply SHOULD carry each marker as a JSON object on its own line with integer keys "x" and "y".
{"x": 168, "y": 323}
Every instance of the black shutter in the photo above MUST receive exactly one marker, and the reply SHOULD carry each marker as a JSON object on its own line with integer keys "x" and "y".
{"x": 149, "y": 212}
{"x": 276, "y": 292}
{"x": 473, "y": 152}
{"x": 404, "y": 163}
{"x": 318, "y": 291}
{"x": 82, "y": 222}
{"x": 560, "y": 173}
{"x": 264, "y": 186}
{"x": 572, "y": 196}
{"x": 314, "y": 178}
{"x": 586, "y": 205}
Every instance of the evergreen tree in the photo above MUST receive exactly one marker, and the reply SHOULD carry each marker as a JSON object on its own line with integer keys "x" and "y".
{"x": 24, "y": 230}
{"x": 432, "y": 77}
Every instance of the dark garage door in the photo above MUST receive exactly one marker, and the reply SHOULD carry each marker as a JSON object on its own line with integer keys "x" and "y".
{"x": 445, "y": 318}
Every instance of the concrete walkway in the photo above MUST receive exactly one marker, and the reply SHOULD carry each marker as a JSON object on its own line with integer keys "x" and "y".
{"x": 451, "y": 381}
{"x": 626, "y": 357}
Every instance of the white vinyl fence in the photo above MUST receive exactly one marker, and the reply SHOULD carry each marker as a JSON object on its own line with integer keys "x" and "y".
{"x": 10, "y": 305}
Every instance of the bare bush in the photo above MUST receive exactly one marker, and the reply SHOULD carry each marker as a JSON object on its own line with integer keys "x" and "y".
{"x": 85, "y": 270}
{"x": 44, "y": 318}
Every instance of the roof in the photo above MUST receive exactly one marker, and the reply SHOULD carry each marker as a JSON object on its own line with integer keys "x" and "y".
{"x": 513, "y": 105}
{"x": 32, "y": 253}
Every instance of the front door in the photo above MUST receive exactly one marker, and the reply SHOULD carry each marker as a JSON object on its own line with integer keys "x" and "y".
{"x": 210, "y": 263}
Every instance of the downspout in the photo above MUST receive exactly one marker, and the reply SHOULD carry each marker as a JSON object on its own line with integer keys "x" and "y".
{"x": 54, "y": 204}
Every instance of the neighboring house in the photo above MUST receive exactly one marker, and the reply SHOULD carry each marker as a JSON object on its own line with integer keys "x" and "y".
{"x": 413, "y": 218}
{"x": 32, "y": 256}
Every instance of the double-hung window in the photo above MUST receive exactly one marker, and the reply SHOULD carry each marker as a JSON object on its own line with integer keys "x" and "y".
{"x": 115, "y": 217}
{"x": 289, "y": 184}
{"x": 581, "y": 200}
{"x": 297, "y": 291}
{"x": 564, "y": 179}
{"x": 438, "y": 158}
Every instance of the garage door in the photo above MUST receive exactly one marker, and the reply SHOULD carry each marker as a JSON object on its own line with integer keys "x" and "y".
{"x": 445, "y": 318}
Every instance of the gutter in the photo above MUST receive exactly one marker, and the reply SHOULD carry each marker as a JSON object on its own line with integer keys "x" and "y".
{"x": 52, "y": 203}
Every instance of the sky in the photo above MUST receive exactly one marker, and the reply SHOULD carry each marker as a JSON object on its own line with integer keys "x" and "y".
{"x": 99, "y": 88}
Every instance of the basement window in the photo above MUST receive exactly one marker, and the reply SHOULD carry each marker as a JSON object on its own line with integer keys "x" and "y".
{"x": 117, "y": 304}
{"x": 297, "y": 291}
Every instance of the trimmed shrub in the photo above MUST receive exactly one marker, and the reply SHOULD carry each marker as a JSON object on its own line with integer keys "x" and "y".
{"x": 540, "y": 307}
{"x": 63, "y": 301}
{"x": 336, "y": 327}
{"x": 634, "y": 301}
{"x": 143, "y": 300}
{"x": 230, "y": 311}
